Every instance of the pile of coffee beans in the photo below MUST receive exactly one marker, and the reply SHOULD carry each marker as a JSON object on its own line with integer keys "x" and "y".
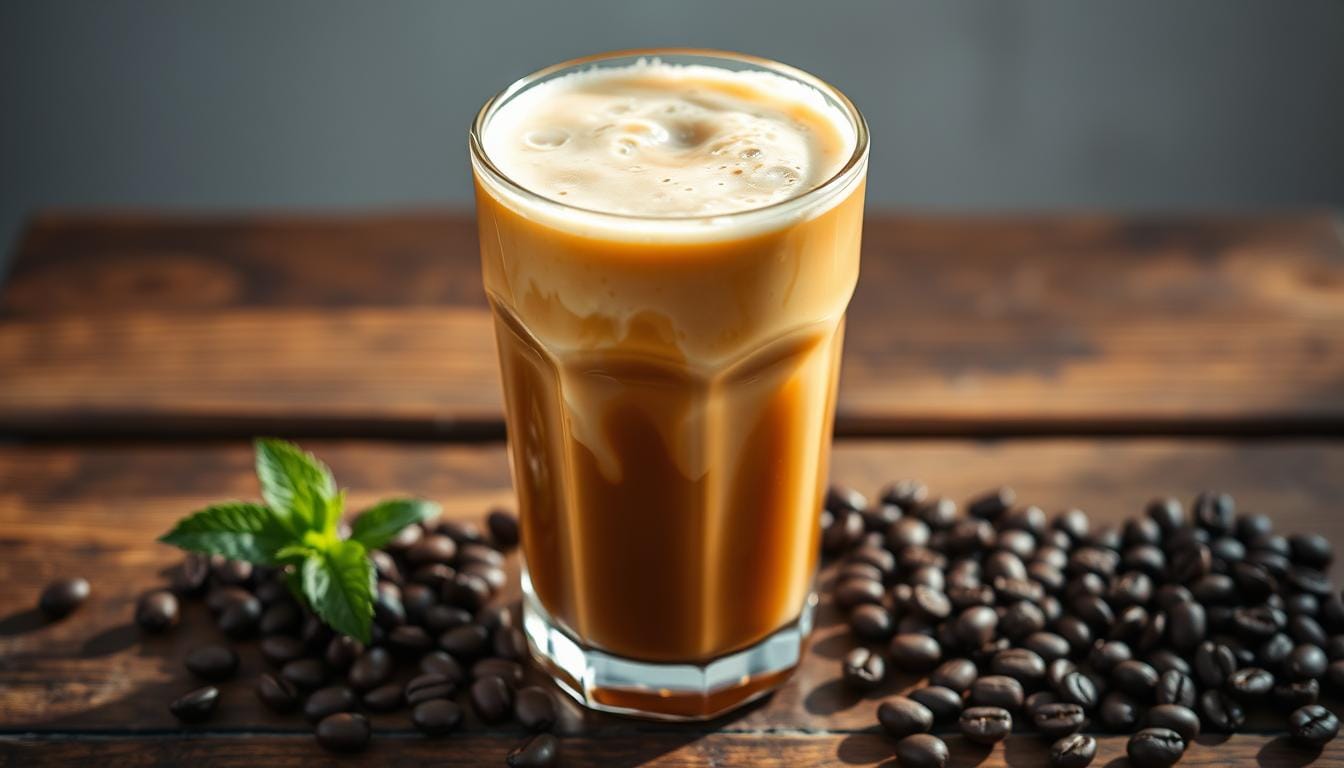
{"x": 434, "y": 621}
{"x": 1175, "y": 623}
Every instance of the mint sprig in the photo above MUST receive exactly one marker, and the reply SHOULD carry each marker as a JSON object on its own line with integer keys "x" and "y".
{"x": 299, "y": 528}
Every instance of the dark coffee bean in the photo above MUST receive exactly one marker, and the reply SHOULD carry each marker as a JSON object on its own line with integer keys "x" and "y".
{"x": 1174, "y": 687}
{"x": 1131, "y": 588}
{"x": 510, "y": 671}
{"x": 1306, "y": 661}
{"x": 1058, "y": 719}
{"x": 1102, "y": 562}
{"x": 1119, "y": 713}
{"x": 534, "y": 708}
{"x": 871, "y": 622}
{"x": 1074, "y": 522}
{"x": 1250, "y": 683}
{"x": 1048, "y": 645}
{"x": 840, "y": 530}
{"x": 1313, "y": 725}
{"x": 281, "y": 649}
{"x": 373, "y": 668}
{"x": 1167, "y": 513}
{"x": 1048, "y": 576}
{"x": 996, "y": 691}
{"x": 939, "y": 514}
{"x": 503, "y": 527}
{"x": 1020, "y": 664}
{"x": 280, "y": 617}
{"x": 1309, "y": 580}
{"x": 409, "y": 641}
{"x": 1075, "y": 750}
{"x": 840, "y": 498}
{"x": 1078, "y": 688}
{"x": 1095, "y": 611}
{"x": 1145, "y": 558}
{"x": 404, "y": 539}
{"x": 874, "y": 557}
{"x": 1307, "y": 631}
{"x": 985, "y": 725}
{"x": 230, "y": 572}
{"x": 157, "y": 611}
{"x": 1186, "y": 625}
{"x": 1168, "y": 595}
{"x": 1002, "y": 564}
{"x": 1274, "y": 652}
{"x": 241, "y": 618}
{"x": 212, "y": 662}
{"x": 1214, "y": 664}
{"x": 468, "y": 591}
{"x": 1076, "y": 632}
{"x": 436, "y": 717}
{"x": 1155, "y": 748}
{"x": 1164, "y": 659}
{"x": 1226, "y": 550}
{"x": 344, "y": 732}
{"x": 1039, "y": 699}
{"x": 1057, "y": 670}
{"x": 305, "y": 674}
{"x": 441, "y": 618}
{"x": 385, "y": 698}
{"x": 432, "y": 549}
{"x": 328, "y": 701}
{"x": 1154, "y": 632}
{"x": 877, "y": 519}
{"x": 196, "y": 706}
{"x": 277, "y": 693}
{"x": 1021, "y": 619}
{"x": 386, "y": 567}
{"x": 541, "y": 751}
{"x": 417, "y": 599}
{"x": 1106, "y": 654}
{"x": 963, "y": 597}
{"x": 1141, "y": 531}
{"x": 1218, "y": 711}
{"x": 1311, "y": 549}
{"x": 932, "y": 603}
{"x": 1182, "y": 720}
{"x": 956, "y": 674}
{"x": 465, "y": 642}
{"x": 190, "y": 577}
{"x": 901, "y": 717}
{"x": 862, "y": 669}
{"x": 510, "y": 643}
{"x": 1215, "y": 512}
{"x": 478, "y": 554}
{"x": 1189, "y": 564}
{"x": 492, "y": 699}
{"x": 388, "y": 610}
{"x": 906, "y": 494}
{"x": 435, "y": 576}
{"x": 61, "y": 597}
{"x": 315, "y": 634}
{"x": 992, "y": 504}
{"x": 969, "y": 536}
{"x": 460, "y": 531}
{"x": 342, "y": 651}
{"x": 976, "y": 626}
{"x": 1296, "y": 694}
{"x": 1255, "y": 625}
{"x": 429, "y": 686}
{"x": 1130, "y": 624}
{"x": 915, "y": 652}
{"x": 1020, "y": 543}
{"x": 945, "y": 703}
{"x": 1135, "y": 678}
{"x": 930, "y": 577}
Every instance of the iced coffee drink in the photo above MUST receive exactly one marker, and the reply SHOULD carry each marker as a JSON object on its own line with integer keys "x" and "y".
{"x": 669, "y": 241}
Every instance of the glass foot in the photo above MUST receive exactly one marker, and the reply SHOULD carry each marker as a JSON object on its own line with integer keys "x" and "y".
{"x": 608, "y": 683}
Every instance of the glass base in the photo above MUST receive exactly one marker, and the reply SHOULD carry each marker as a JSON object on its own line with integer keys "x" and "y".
{"x": 608, "y": 683}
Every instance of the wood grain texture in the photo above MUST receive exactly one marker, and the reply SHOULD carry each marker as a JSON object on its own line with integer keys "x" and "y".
{"x": 377, "y": 326}
{"x": 95, "y": 510}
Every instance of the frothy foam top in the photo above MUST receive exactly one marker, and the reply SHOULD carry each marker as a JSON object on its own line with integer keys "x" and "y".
{"x": 663, "y": 140}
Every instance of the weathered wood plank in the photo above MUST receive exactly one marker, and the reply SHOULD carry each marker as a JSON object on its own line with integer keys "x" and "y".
{"x": 679, "y": 748}
{"x": 377, "y": 325}
{"x": 95, "y": 510}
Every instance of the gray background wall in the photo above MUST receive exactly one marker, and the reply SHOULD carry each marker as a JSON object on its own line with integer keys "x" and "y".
{"x": 1004, "y": 104}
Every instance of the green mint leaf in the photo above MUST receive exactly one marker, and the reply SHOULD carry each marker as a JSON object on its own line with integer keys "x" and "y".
{"x": 236, "y": 530}
{"x": 338, "y": 584}
{"x": 294, "y": 554}
{"x": 329, "y": 515}
{"x": 377, "y": 525}
{"x": 294, "y": 484}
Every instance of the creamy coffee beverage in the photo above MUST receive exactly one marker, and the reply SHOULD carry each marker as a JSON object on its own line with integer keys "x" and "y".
{"x": 669, "y": 247}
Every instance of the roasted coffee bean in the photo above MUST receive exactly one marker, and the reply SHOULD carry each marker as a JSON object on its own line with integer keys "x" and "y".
{"x": 1155, "y": 748}
{"x": 1144, "y": 558}
{"x": 871, "y": 622}
{"x": 1002, "y": 564}
{"x": 852, "y": 592}
{"x": 277, "y": 693}
{"x": 1094, "y": 611}
{"x": 503, "y": 527}
{"x": 975, "y": 626}
{"x": 878, "y": 518}
{"x": 1311, "y": 549}
{"x": 1175, "y": 717}
{"x": 346, "y": 732}
{"x": 404, "y": 539}
{"x": 1250, "y": 683}
{"x": 441, "y": 618}
{"x": 429, "y": 686}
{"x": 432, "y": 549}
{"x": 1075, "y": 750}
{"x": 230, "y": 572}
{"x": 996, "y": 691}
{"x": 1119, "y": 713}
{"x": 1306, "y": 661}
{"x": 385, "y": 698}
{"x": 1167, "y": 513}
{"x": 905, "y": 494}
{"x": 1048, "y": 576}
{"x": 1215, "y": 512}
{"x": 939, "y": 514}
{"x": 1129, "y": 624}
{"x": 1190, "y": 563}
{"x": 281, "y": 649}
{"x": 465, "y": 642}
{"x": 534, "y": 708}
{"x": 540, "y": 751}
{"x": 342, "y": 651}
{"x": 1153, "y": 634}
{"x": 509, "y": 643}
{"x": 1076, "y": 632}
{"x": 199, "y": 705}
{"x": 1255, "y": 625}
{"x": 190, "y": 577}
{"x": 931, "y": 602}
{"x": 1048, "y": 645}
{"x": 1226, "y": 550}
{"x": 1175, "y": 687}
{"x": 969, "y": 536}
{"x": 1163, "y": 659}
{"x": 862, "y": 669}
{"x": 510, "y": 671}
{"x": 1297, "y": 694}
{"x": 315, "y": 634}
{"x": 1186, "y": 625}
{"x": 61, "y": 597}
{"x": 460, "y": 531}
{"x": 840, "y": 530}
{"x": 435, "y": 576}
{"x": 280, "y": 617}
{"x": 1074, "y": 522}
{"x": 915, "y": 652}
{"x": 992, "y": 504}
{"x": 436, "y": 717}
{"x": 373, "y": 668}
{"x": 1307, "y": 631}
{"x": 1020, "y": 543}
{"x": 416, "y": 599}
{"x": 212, "y": 662}
{"x": 240, "y": 618}
{"x": 328, "y": 701}
{"x": 1218, "y": 711}
{"x": 1214, "y": 664}
{"x": 1106, "y": 654}
{"x": 1021, "y": 665}
{"x": 491, "y": 698}
{"x": 1039, "y": 699}
{"x": 1058, "y": 719}
{"x": 1309, "y": 580}
{"x": 157, "y": 611}
{"x": 1240, "y": 651}
{"x": 409, "y": 641}
{"x": 1077, "y": 688}
{"x": 1313, "y": 725}
{"x": 927, "y": 576}
{"x": 305, "y": 674}
{"x": 1135, "y": 678}
{"x": 1021, "y": 619}
{"x": 956, "y": 674}
{"x": 985, "y": 725}
{"x": 901, "y": 717}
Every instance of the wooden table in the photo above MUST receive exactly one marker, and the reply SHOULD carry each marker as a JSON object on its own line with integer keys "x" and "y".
{"x": 1085, "y": 360}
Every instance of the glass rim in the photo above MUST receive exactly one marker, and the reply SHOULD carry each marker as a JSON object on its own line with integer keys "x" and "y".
{"x": 851, "y": 167}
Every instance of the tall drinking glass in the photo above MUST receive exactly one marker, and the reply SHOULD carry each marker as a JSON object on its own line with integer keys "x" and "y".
{"x": 669, "y": 383}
